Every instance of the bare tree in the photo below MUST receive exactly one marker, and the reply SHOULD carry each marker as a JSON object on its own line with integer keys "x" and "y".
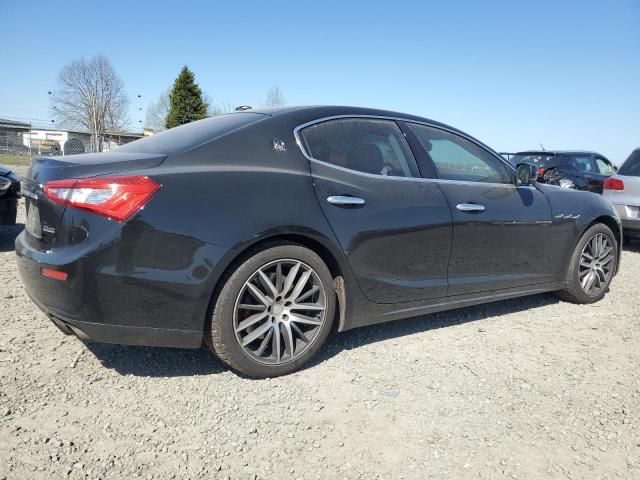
{"x": 157, "y": 113}
{"x": 220, "y": 109}
{"x": 90, "y": 96}
{"x": 275, "y": 98}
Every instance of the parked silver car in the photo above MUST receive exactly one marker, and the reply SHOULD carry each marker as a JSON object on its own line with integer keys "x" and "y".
{"x": 623, "y": 190}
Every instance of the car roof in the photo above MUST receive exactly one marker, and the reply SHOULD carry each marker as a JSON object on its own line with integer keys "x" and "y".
{"x": 320, "y": 111}
{"x": 553, "y": 153}
{"x": 558, "y": 152}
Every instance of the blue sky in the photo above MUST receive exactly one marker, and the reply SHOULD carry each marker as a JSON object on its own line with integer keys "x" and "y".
{"x": 514, "y": 74}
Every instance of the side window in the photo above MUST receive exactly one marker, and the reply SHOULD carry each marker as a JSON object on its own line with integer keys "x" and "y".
{"x": 365, "y": 145}
{"x": 582, "y": 164}
{"x": 604, "y": 167}
{"x": 457, "y": 158}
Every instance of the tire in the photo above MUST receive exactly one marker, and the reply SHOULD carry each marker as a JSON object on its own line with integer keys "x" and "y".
{"x": 223, "y": 337}
{"x": 573, "y": 291}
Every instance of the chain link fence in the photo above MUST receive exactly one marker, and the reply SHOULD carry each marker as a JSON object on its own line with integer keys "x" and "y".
{"x": 19, "y": 141}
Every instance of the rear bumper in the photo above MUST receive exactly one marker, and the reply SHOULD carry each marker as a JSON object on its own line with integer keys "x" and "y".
{"x": 107, "y": 300}
{"x": 629, "y": 218}
{"x": 631, "y": 228}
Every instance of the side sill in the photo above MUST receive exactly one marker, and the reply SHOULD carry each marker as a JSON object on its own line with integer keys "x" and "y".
{"x": 451, "y": 303}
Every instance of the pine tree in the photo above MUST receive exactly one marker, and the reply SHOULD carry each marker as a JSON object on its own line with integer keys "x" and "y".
{"x": 185, "y": 100}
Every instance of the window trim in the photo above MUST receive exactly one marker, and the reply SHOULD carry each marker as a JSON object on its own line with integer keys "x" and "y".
{"x": 300, "y": 142}
{"x": 510, "y": 168}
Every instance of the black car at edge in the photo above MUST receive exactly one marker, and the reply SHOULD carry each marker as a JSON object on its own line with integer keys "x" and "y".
{"x": 257, "y": 231}
{"x": 575, "y": 169}
{"x": 9, "y": 192}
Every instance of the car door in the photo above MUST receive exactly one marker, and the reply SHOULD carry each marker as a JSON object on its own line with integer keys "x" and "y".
{"x": 394, "y": 227}
{"x": 502, "y": 234}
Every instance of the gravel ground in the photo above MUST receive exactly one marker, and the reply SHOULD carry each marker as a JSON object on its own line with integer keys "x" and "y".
{"x": 528, "y": 388}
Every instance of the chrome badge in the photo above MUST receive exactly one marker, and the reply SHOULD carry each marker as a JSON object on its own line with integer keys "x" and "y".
{"x": 279, "y": 145}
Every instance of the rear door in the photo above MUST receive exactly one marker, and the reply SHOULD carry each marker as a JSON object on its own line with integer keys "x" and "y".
{"x": 501, "y": 233}
{"x": 394, "y": 227}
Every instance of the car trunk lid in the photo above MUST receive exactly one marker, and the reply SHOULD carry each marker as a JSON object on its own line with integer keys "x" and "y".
{"x": 44, "y": 226}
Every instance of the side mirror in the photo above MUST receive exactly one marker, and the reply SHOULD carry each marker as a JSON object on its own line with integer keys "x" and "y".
{"x": 526, "y": 173}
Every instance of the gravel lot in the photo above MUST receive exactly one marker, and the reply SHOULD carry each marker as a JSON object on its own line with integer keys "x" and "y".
{"x": 528, "y": 388}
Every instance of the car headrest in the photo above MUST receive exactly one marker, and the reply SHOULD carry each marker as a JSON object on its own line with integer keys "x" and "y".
{"x": 368, "y": 158}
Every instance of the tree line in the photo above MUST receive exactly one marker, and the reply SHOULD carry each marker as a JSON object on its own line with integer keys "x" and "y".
{"x": 90, "y": 96}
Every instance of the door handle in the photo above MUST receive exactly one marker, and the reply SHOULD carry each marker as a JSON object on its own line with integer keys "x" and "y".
{"x": 470, "y": 207}
{"x": 345, "y": 201}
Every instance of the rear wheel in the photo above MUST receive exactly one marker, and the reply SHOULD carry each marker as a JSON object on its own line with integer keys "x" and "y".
{"x": 274, "y": 311}
{"x": 592, "y": 266}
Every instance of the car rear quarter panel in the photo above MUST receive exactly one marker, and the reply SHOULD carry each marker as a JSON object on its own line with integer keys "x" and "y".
{"x": 238, "y": 191}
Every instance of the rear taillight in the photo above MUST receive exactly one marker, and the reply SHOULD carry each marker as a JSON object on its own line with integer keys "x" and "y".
{"x": 613, "y": 184}
{"x": 113, "y": 197}
{"x": 540, "y": 172}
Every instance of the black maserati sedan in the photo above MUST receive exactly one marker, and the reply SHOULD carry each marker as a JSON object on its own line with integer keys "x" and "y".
{"x": 257, "y": 231}
{"x": 9, "y": 192}
{"x": 579, "y": 170}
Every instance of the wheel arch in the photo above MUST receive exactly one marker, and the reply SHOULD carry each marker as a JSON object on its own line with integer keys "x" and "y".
{"x": 331, "y": 255}
{"x": 615, "y": 227}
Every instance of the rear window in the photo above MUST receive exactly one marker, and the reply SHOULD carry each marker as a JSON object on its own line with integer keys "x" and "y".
{"x": 185, "y": 137}
{"x": 541, "y": 161}
{"x": 631, "y": 166}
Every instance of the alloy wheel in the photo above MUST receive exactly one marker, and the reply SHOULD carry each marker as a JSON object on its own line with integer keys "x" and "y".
{"x": 596, "y": 264}
{"x": 279, "y": 312}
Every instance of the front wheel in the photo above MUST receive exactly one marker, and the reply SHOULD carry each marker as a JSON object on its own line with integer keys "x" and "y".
{"x": 274, "y": 311}
{"x": 592, "y": 266}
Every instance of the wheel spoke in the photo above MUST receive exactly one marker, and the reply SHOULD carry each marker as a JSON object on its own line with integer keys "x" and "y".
{"x": 275, "y": 343}
{"x": 291, "y": 276}
{"x": 588, "y": 281}
{"x": 266, "y": 282}
{"x": 261, "y": 330}
{"x": 265, "y": 342}
{"x": 598, "y": 245}
{"x": 299, "y": 332}
{"x": 246, "y": 306}
{"x": 585, "y": 272}
{"x": 258, "y": 294}
{"x": 307, "y": 306}
{"x": 285, "y": 328}
{"x": 596, "y": 279}
{"x": 252, "y": 320}
{"x": 307, "y": 294}
{"x": 298, "y": 318}
{"x": 606, "y": 252}
{"x": 302, "y": 281}
{"x": 606, "y": 260}
{"x": 279, "y": 277}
